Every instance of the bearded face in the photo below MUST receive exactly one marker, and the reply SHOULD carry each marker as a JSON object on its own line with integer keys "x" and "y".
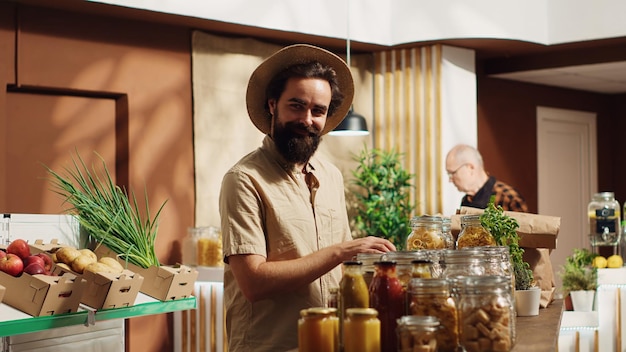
{"x": 296, "y": 142}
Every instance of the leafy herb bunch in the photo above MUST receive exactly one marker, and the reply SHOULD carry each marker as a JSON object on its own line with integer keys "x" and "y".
{"x": 384, "y": 207}
{"x": 504, "y": 230}
{"x": 578, "y": 272}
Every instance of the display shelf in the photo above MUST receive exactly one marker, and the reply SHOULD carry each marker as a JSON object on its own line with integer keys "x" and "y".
{"x": 15, "y": 322}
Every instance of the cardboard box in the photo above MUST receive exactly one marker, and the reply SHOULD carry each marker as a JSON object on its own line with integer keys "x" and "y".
{"x": 165, "y": 282}
{"x": 41, "y": 246}
{"x": 2, "y": 291}
{"x": 109, "y": 290}
{"x": 40, "y": 295}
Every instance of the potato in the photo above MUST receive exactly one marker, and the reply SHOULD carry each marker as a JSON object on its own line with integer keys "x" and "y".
{"x": 67, "y": 255}
{"x": 113, "y": 263}
{"x": 64, "y": 266}
{"x": 89, "y": 252}
{"x": 97, "y": 267}
{"x": 80, "y": 262}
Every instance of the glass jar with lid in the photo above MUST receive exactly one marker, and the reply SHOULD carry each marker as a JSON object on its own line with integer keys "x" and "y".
{"x": 203, "y": 247}
{"x": 318, "y": 330}
{"x": 353, "y": 292}
{"x": 361, "y": 330}
{"x": 417, "y": 333}
{"x": 485, "y": 314}
{"x": 431, "y": 297}
{"x": 463, "y": 262}
{"x": 604, "y": 223}
{"x": 446, "y": 230}
{"x": 473, "y": 234}
{"x": 425, "y": 233}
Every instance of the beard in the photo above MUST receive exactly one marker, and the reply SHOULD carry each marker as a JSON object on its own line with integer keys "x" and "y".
{"x": 292, "y": 144}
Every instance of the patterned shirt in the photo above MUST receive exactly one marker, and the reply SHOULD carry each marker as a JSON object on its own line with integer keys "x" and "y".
{"x": 269, "y": 208}
{"x": 506, "y": 197}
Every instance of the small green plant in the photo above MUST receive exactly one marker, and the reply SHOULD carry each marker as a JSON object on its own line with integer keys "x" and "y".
{"x": 504, "y": 230}
{"x": 382, "y": 195}
{"x": 578, "y": 272}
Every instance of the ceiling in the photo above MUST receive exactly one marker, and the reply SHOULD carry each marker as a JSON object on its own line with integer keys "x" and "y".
{"x": 607, "y": 78}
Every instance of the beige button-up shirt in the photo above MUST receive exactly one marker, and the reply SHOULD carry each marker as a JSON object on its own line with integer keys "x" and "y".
{"x": 268, "y": 208}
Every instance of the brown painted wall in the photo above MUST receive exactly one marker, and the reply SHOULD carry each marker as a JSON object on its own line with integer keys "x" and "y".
{"x": 88, "y": 83}
{"x": 507, "y": 132}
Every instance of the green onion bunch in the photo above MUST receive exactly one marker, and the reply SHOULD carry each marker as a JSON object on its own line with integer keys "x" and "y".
{"x": 107, "y": 213}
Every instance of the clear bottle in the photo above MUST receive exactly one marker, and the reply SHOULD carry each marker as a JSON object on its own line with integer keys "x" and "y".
{"x": 485, "y": 312}
{"x": 388, "y": 297}
{"x": 604, "y": 223}
{"x": 425, "y": 233}
{"x": 318, "y": 330}
{"x": 361, "y": 330}
{"x": 473, "y": 234}
{"x": 431, "y": 297}
{"x": 417, "y": 333}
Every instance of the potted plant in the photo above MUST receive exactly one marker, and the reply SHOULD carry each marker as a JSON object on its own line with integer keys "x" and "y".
{"x": 580, "y": 279}
{"x": 382, "y": 196}
{"x": 504, "y": 230}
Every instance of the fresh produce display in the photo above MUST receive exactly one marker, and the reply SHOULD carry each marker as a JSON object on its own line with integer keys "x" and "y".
{"x": 108, "y": 213}
{"x": 81, "y": 260}
{"x": 18, "y": 259}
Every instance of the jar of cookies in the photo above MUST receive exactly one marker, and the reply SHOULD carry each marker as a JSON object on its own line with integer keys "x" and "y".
{"x": 417, "y": 333}
{"x": 431, "y": 297}
{"x": 485, "y": 314}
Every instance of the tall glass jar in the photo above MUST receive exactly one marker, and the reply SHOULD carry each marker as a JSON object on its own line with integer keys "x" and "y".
{"x": 318, "y": 330}
{"x": 485, "y": 314}
{"x": 473, "y": 234}
{"x": 361, "y": 330}
{"x": 431, "y": 297}
{"x": 463, "y": 262}
{"x": 417, "y": 333}
{"x": 353, "y": 292}
{"x": 446, "y": 230}
{"x": 604, "y": 223}
{"x": 387, "y": 296}
{"x": 425, "y": 233}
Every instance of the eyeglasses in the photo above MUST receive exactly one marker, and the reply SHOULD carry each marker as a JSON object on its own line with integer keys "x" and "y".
{"x": 451, "y": 174}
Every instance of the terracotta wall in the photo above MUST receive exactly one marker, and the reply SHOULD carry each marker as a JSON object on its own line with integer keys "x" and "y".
{"x": 507, "y": 131}
{"x": 83, "y": 83}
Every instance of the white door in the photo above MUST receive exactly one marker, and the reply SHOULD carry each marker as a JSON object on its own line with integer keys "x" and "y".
{"x": 567, "y": 176}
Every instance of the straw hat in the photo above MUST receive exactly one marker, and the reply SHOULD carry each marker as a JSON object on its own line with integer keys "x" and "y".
{"x": 284, "y": 58}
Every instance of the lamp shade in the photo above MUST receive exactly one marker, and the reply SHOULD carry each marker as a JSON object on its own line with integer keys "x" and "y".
{"x": 352, "y": 125}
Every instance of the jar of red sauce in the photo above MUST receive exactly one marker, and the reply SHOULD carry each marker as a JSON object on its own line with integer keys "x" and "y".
{"x": 387, "y": 296}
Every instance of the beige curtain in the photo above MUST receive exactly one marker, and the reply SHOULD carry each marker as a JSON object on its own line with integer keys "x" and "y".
{"x": 407, "y": 115}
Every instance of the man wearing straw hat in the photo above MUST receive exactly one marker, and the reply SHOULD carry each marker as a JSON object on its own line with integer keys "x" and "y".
{"x": 284, "y": 220}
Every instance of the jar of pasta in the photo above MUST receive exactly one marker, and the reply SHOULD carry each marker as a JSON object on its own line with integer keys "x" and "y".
{"x": 473, "y": 234}
{"x": 485, "y": 314}
{"x": 203, "y": 247}
{"x": 361, "y": 330}
{"x": 431, "y": 297}
{"x": 318, "y": 330}
{"x": 425, "y": 233}
{"x": 417, "y": 333}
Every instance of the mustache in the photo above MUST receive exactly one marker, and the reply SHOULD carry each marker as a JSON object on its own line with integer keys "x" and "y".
{"x": 310, "y": 130}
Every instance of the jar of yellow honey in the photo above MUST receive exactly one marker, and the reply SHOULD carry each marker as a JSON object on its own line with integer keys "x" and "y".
{"x": 361, "y": 330}
{"x": 318, "y": 330}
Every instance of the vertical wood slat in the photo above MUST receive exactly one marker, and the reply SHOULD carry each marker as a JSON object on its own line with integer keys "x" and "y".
{"x": 407, "y": 114}
{"x": 199, "y": 327}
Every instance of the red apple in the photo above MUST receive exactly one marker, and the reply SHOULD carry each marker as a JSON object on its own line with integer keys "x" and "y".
{"x": 34, "y": 268}
{"x": 19, "y": 247}
{"x": 47, "y": 261}
{"x": 12, "y": 264}
{"x": 34, "y": 259}
{"x": 2, "y": 254}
